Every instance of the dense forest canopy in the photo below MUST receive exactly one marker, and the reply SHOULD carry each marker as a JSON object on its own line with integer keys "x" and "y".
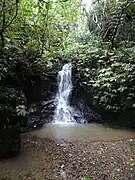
{"x": 42, "y": 24}
{"x": 97, "y": 36}
{"x": 37, "y": 25}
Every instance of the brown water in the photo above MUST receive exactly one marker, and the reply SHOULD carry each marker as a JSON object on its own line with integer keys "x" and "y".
{"x": 91, "y": 131}
{"x": 39, "y": 157}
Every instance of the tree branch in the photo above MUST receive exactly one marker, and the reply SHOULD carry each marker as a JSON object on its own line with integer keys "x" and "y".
{"x": 8, "y": 8}
{"x": 117, "y": 25}
{"x": 2, "y": 30}
{"x": 16, "y": 12}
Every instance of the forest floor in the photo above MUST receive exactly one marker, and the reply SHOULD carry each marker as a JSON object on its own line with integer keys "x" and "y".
{"x": 76, "y": 159}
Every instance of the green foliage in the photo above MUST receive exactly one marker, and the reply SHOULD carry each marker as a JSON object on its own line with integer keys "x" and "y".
{"x": 39, "y": 25}
{"x": 112, "y": 20}
{"x": 99, "y": 41}
{"x": 21, "y": 110}
{"x": 86, "y": 178}
{"x": 114, "y": 86}
{"x": 9, "y": 97}
{"x": 111, "y": 75}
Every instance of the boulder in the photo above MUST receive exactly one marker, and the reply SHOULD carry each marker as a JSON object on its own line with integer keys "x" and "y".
{"x": 40, "y": 113}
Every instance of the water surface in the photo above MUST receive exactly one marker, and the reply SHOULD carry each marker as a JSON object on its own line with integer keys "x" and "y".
{"x": 91, "y": 131}
{"x": 41, "y": 158}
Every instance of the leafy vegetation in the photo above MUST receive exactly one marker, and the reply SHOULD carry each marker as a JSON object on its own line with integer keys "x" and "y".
{"x": 99, "y": 40}
{"x": 86, "y": 178}
{"x": 110, "y": 75}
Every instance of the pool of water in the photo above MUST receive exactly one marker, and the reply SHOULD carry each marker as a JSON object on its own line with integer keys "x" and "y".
{"x": 35, "y": 162}
{"x": 91, "y": 131}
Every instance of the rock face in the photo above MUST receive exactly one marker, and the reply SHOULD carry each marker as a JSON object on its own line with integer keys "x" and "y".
{"x": 41, "y": 110}
{"x": 40, "y": 113}
{"x": 81, "y": 99}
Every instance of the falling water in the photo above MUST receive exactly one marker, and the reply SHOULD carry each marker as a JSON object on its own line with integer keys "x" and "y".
{"x": 63, "y": 111}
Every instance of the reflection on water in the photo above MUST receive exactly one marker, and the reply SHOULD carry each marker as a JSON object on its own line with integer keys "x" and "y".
{"x": 32, "y": 161}
{"x": 92, "y": 131}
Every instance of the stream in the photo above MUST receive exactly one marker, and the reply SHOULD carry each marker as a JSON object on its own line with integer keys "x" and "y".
{"x": 81, "y": 131}
{"x": 71, "y": 152}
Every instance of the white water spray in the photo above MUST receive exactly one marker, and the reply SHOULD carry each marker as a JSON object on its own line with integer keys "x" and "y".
{"x": 64, "y": 112}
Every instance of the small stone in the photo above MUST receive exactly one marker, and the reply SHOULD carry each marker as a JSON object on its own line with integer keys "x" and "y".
{"x": 70, "y": 155}
{"x": 62, "y": 166}
{"x": 117, "y": 170}
{"x": 132, "y": 164}
{"x": 112, "y": 157}
{"x": 63, "y": 175}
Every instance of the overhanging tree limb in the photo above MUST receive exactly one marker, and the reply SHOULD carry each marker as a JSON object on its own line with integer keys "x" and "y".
{"x": 16, "y": 12}
{"x": 4, "y": 25}
{"x": 2, "y": 30}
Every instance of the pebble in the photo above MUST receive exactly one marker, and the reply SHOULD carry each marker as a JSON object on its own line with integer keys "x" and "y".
{"x": 81, "y": 158}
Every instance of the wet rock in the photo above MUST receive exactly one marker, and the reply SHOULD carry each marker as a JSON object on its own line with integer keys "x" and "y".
{"x": 42, "y": 110}
{"x": 40, "y": 113}
{"x": 81, "y": 100}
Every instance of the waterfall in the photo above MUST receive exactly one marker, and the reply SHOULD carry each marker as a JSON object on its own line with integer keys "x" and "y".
{"x": 64, "y": 112}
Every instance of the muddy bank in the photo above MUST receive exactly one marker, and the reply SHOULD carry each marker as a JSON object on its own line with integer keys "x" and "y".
{"x": 48, "y": 159}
